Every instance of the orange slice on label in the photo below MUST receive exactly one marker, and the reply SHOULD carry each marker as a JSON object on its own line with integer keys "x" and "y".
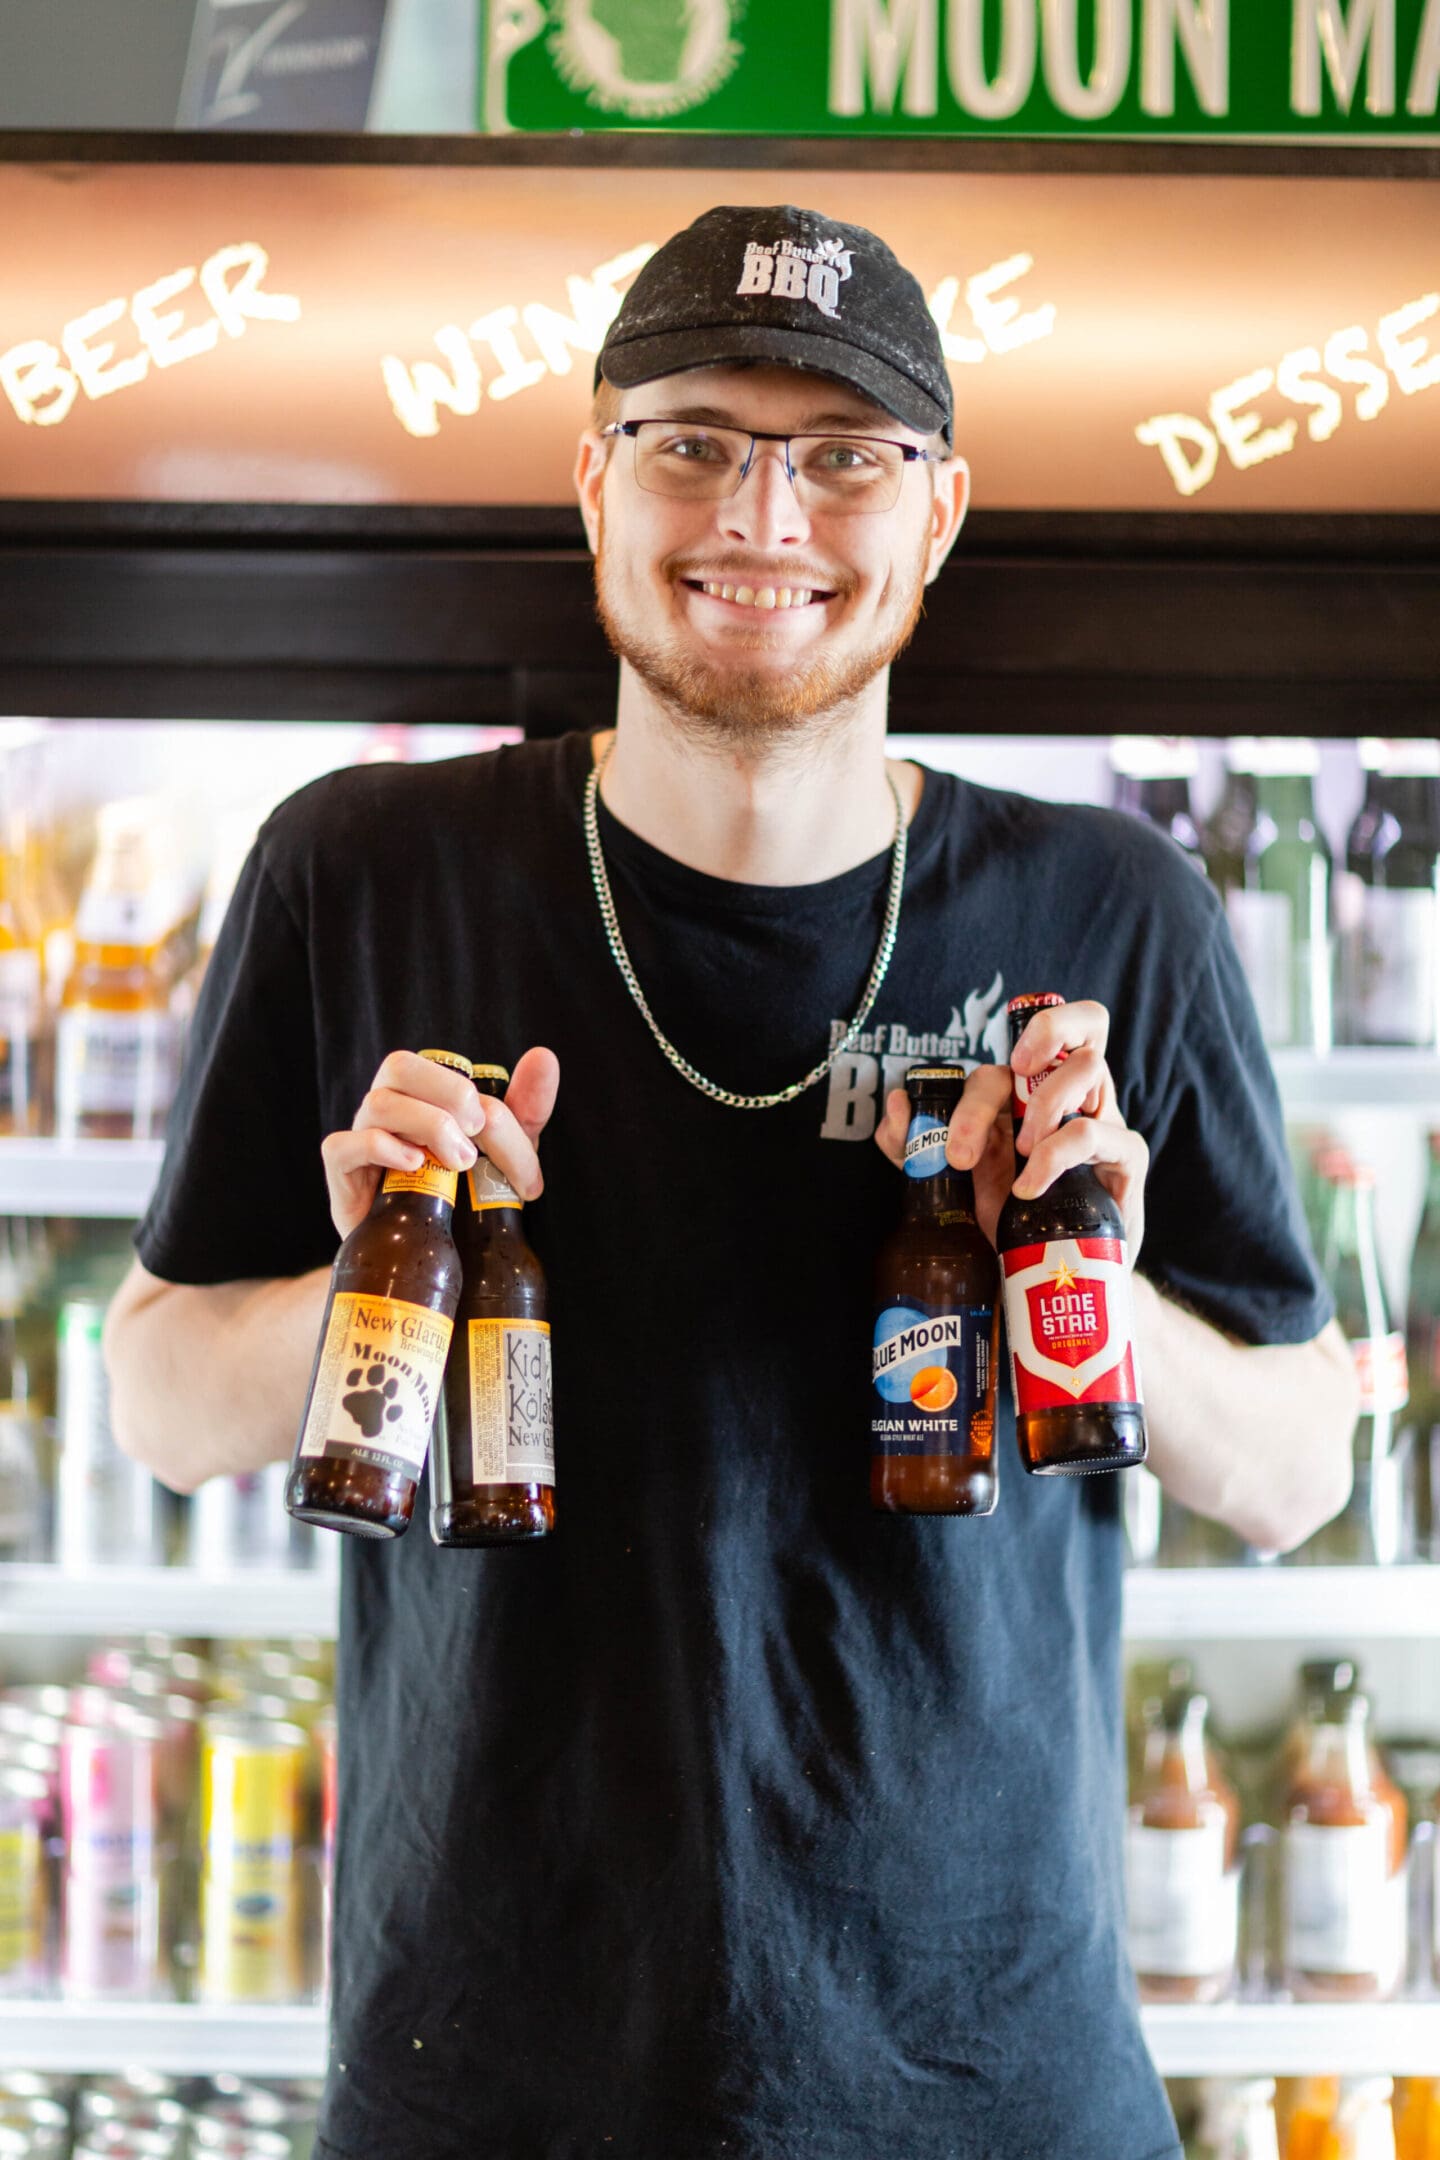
{"x": 934, "y": 1387}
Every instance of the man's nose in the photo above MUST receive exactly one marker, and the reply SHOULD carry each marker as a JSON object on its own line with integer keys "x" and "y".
{"x": 764, "y": 509}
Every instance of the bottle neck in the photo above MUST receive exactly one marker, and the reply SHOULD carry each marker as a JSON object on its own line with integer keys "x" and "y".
{"x": 1288, "y": 799}
{"x": 933, "y": 1189}
{"x": 1339, "y": 1753}
{"x": 431, "y": 1206}
{"x": 1162, "y": 801}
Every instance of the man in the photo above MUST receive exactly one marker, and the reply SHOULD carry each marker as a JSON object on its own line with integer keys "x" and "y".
{"x": 734, "y": 1822}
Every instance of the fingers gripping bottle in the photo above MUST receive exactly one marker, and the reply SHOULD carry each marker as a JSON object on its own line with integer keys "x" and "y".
{"x": 492, "y": 1476}
{"x": 1069, "y": 1310}
{"x": 932, "y": 1410}
{"x": 378, "y": 1369}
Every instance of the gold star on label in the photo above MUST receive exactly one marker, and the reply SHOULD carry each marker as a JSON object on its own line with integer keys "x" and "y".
{"x": 1064, "y": 1277}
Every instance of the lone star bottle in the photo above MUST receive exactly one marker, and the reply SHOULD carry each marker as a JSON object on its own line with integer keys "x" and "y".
{"x": 933, "y": 1363}
{"x": 380, "y": 1362}
{"x": 1069, "y": 1310}
{"x": 492, "y": 1475}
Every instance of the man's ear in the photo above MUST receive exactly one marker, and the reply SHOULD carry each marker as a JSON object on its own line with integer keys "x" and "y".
{"x": 591, "y": 459}
{"x": 947, "y": 512}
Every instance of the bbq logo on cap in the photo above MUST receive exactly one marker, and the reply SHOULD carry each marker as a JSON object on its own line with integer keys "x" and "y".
{"x": 790, "y": 272}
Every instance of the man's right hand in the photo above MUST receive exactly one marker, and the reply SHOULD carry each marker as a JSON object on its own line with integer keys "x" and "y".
{"x": 414, "y": 1105}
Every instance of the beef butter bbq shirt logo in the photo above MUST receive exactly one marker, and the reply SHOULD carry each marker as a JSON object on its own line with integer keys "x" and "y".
{"x": 879, "y": 1058}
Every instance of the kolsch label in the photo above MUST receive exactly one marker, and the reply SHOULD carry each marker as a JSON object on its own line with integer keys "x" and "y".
{"x": 931, "y": 1375}
{"x": 378, "y": 1382}
{"x": 512, "y": 1427}
{"x": 1070, "y": 1320}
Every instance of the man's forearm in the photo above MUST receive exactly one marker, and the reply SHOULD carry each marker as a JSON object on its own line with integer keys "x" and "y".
{"x": 210, "y": 1379}
{"x": 1256, "y": 1437}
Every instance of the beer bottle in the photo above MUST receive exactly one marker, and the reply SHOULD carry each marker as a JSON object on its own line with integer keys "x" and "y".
{"x": 493, "y": 1467}
{"x": 383, "y": 1342}
{"x": 1388, "y": 904}
{"x": 1152, "y": 781}
{"x": 1371, "y": 1529}
{"x": 1069, "y": 1310}
{"x": 1422, "y": 1345}
{"x": 932, "y": 1423}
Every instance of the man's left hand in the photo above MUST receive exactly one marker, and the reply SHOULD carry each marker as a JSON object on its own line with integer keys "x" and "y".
{"x": 981, "y": 1135}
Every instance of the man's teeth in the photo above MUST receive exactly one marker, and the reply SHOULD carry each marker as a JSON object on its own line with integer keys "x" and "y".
{"x": 766, "y": 596}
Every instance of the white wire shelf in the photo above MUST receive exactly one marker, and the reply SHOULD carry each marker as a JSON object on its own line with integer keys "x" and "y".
{"x": 78, "y": 1177}
{"x": 1226, "y": 2039}
{"x": 183, "y": 2038}
{"x": 1378, "y": 1078}
{"x": 1294, "y": 2039}
{"x": 41, "y": 1600}
{"x": 1282, "y": 1603}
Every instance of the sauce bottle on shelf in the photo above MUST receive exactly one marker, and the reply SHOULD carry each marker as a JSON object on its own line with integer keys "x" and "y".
{"x": 1364, "y": 2126}
{"x": 1417, "y": 2118}
{"x": 1305, "y": 2108}
{"x": 380, "y": 1361}
{"x": 1237, "y": 2119}
{"x": 1344, "y": 1864}
{"x": 1182, "y": 1880}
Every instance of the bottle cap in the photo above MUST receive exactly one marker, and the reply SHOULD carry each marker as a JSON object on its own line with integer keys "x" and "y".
{"x": 452, "y": 1058}
{"x": 1273, "y": 756}
{"x": 918, "y": 1073}
{"x": 1154, "y": 757}
{"x": 490, "y": 1072}
{"x": 1034, "y": 1001}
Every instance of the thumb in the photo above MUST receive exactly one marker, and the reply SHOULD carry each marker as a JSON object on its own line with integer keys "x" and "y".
{"x": 530, "y": 1096}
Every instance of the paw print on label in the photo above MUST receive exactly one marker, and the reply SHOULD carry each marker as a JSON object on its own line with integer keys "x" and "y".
{"x": 372, "y": 1406}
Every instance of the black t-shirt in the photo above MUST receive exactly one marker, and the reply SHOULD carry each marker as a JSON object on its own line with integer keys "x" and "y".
{"x": 735, "y": 1821}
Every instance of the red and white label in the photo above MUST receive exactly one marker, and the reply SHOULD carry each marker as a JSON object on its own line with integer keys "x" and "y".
{"x": 1070, "y": 1318}
{"x": 1382, "y": 1369}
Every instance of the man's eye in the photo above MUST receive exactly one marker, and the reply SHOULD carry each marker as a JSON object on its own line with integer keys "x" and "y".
{"x": 693, "y": 449}
{"x": 844, "y": 457}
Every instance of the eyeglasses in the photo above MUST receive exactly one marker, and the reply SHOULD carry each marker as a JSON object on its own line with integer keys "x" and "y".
{"x": 844, "y": 474}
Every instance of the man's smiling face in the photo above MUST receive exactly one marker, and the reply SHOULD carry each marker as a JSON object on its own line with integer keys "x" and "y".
{"x": 753, "y": 616}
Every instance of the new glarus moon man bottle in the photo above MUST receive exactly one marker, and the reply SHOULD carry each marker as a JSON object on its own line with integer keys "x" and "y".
{"x": 933, "y": 1364}
{"x": 493, "y": 1475}
{"x": 381, "y": 1358}
{"x": 1069, "y": 1311}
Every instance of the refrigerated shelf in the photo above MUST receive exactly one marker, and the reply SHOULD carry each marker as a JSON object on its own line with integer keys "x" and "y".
{"x": 1226, "y": 2040}
{"x": 1162, "y": 1605}
{"x": 36, "y": 1599}
{"x": 89, "y": 1178}
{"x": 1376, "y": 1079}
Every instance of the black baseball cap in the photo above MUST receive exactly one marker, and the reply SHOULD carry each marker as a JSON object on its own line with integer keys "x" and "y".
{"x": 788, "y": 286}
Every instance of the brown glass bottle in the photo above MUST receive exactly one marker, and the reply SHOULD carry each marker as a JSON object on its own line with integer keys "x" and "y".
{"x": 492, "y": 1470}
{"x": 376, "y": 1382}
{"x": 936, "y": 1341}
{"x": 1069, "y": 1310}
{"x": 1180, "y": 1861}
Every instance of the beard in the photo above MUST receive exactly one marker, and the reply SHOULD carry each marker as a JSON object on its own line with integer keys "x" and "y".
{"x": 734, "y": 706}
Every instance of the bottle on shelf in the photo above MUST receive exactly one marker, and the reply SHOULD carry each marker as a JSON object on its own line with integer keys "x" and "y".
{"x": 1181, "y": 1854}
{"x": 1420, "y": 1431}
{"x": 1372, "y": 1528}
{"x": 1417, "y": 2118}
{"x": 1069, "y": 1308}
{"x": 1152, "y": 781}
{"x": 935, "y": 1344}
{"x": 492, "y": 1469}
{"x": 1305, "y": 2109}
{"x": 117, "y": 1050}
{"x": 1276, "y": 889}
{"x": 1237, "y": 2120}
{"x": 1388, "y": 901}
{"x": 1344, "y": 1865}
{"x": 1364, "y": 2125}
{"x": 22, "y": 1441}
{"x": 26, "y": 1047}
{"x": 380, "y": 1361}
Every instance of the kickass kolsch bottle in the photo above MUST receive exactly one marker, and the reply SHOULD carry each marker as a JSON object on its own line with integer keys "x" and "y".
{"x": 1069, "y": 1310}
{"x": 932, "y": 1413}
{"x": 492, "y": 1472}
{"x": 384, "y": 1339}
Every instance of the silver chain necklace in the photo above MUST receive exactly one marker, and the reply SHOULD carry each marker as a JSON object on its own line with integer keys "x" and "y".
{"x": 888, "y": 931}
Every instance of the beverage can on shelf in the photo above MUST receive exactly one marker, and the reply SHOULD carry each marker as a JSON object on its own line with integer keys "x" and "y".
{"x": 251, "y": 1796}
{"x": 108, "y": 1509}
{"x": 111, "y": 1941}
{"x": 240, "y": 1522}
{"x": 24, "y": 1806}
